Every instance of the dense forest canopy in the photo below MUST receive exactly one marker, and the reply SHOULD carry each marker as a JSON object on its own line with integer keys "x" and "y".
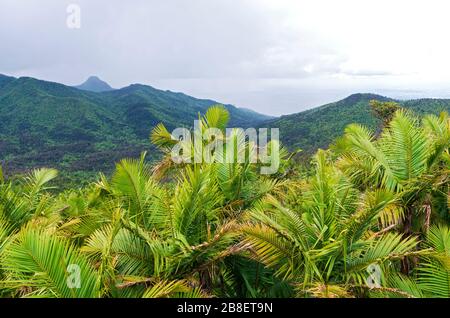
{"x": 78, "y": 132}
{"x": 81, "y": 132}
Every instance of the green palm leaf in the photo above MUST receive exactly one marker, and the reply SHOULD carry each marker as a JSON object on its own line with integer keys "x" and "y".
{"x": 47, "y": 264}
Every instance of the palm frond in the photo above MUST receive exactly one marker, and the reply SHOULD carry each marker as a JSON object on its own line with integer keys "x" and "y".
{"x": 37, "y": 179}
{"x": 48, "y": 265}
{"x": 161, "y": 137}
{"x": 165, "y": 289}
{"x": 217, "y": 116}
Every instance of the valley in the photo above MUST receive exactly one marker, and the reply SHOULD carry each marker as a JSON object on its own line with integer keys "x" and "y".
{"x": 82, "y": 132}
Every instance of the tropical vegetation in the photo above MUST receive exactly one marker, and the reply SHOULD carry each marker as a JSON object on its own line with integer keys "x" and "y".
{"x": 369, "y": 217}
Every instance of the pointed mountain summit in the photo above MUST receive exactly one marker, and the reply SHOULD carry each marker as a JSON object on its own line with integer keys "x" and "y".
{"x": 95, "y": 84}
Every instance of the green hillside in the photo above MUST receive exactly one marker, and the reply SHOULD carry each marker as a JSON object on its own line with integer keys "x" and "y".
{"x": 318, "y": 127}
{"x": 81, "y": 132}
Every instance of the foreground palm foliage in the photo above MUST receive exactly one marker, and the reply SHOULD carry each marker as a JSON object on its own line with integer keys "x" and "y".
{"x": 371, "y": 219}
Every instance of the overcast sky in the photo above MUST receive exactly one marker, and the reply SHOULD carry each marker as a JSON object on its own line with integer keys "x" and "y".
{"x": 276, "y": 57}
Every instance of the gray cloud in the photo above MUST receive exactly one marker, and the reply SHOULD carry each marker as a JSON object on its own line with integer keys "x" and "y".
{"x": 274, "y": 59}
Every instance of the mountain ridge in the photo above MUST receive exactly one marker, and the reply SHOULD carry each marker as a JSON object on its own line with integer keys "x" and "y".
{"x": 82, "y": 132}
{"x": 320, "y": 126}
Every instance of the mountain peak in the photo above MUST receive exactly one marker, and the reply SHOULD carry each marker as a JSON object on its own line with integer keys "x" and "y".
{"x": 354, "y": 98}
{"x": 95, "y": 84}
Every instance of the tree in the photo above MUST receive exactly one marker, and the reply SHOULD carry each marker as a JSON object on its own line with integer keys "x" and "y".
{"x": 384, "y": 111}
{"x": 408, "y": 159}
{"x": 324, "y": 246}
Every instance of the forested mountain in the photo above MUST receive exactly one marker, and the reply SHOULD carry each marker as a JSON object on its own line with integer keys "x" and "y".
{"x": 80, "y": 132}
{"x": 94, "y": 84}
{"x": 318, "y": 127}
